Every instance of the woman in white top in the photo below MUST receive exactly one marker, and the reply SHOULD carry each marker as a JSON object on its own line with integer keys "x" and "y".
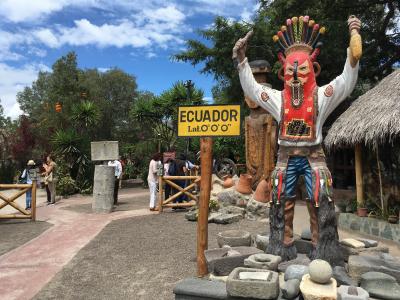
{"x": 152, "y": 179}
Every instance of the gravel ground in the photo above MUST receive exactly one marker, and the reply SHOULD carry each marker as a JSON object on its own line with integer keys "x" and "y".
{"x": 14, "y": 233}
{"x": 136, "y": 258}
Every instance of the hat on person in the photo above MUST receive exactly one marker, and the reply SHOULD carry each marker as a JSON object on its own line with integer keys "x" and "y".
{"x": 31, "y": 163}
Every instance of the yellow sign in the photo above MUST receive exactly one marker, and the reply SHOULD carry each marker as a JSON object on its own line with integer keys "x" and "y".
{"x": 209, "y": 120}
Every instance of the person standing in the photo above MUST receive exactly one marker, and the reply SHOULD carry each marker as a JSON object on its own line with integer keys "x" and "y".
{"x": 26, "y": 178}
{"x": 117, "y": 173}
{"x": 152, "y": 179}
{"x": 50, "y": 179}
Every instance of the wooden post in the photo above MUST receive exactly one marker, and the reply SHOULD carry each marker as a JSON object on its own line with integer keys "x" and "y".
{"x": 160, "y": 194}
{"x": 359, "y": 176}
{"x": 33, "y": 204}
{"x": 205, "y": 190}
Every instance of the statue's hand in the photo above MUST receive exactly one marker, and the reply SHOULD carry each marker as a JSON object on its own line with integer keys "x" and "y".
{"x": 355, "y": 40}
{"x": 354, "y": 24}
{"x": 239, "y": 50}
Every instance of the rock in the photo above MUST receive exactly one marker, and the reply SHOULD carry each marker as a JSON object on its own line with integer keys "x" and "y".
{"x": 213, "y": 277}
{"x": 316, "y": 291}
{"x": 227, "y": 197}
{"x": 352, "y": 293}
{"x": 234, "y": 238}
{"x": 212, "y": 216}
{"x": 291, "y": 289}
{"x": 195, "y": 288}
{"x": 227, "y": 218}
{"x": 353, "y": 243}
{"x": 320, "y": 271}
{"x": 232, "y": 252}
{"x": 368, "y": 243}
{"x": 380, "y": 285}
{"x": 256, "y": 210}
{"x": 219, "y": 263}
{"x": 261, "y": 241}
{"x": 233, "y": 210}
{"x": 249, "y": 288}
{"x": 303, "y": 246}
{"x": 295, "y": 272}
{"x": 341, "y": 276}
{"x": 216, "y": 189}
{"x": 384, "y": 263}
{"x": 191, "y": 215}
{"x": 347, "y": 251}
{"x": 306, "y": 234}
{"x": 263, "y": 261}
{"x": 301, "y": 259}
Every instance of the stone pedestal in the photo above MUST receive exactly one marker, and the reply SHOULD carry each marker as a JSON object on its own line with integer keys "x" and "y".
{"x": 103, "y": 189}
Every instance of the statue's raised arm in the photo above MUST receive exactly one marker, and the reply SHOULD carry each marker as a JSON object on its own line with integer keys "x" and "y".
{"x": 267, "y": 98}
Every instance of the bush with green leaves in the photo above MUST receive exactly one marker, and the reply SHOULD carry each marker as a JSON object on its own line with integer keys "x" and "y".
{"x": 66, "y": 186}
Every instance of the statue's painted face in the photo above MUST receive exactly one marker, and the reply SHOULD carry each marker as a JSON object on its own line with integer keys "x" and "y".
{"x": 298, "y": 69}
{"x": 299, "y": 77}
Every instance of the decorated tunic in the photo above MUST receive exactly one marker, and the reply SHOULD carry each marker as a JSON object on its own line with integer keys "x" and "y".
{"x": 300, "y": 126}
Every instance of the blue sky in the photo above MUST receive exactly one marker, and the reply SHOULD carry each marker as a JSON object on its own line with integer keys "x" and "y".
{"x": 137, "y": 36}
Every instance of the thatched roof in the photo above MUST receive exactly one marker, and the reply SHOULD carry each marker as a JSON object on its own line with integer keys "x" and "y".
{"x": 372, "y": 118}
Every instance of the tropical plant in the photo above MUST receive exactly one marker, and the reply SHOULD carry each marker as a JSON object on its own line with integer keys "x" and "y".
{"x": 85, "y": 114}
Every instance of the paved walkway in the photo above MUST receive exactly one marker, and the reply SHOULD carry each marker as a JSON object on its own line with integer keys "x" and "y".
{"x": 26, "y": 269}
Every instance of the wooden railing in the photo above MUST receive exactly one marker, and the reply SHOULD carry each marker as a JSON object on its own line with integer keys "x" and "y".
{"x": 180, "y": 191}
{"x": 22, "y": 189}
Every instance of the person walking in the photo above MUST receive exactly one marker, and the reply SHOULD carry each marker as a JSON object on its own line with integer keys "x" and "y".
{"x": 26, "y": 178}
{"x": 152, "y": 179}
{"x": 50, "y": 179}
{"x": 117, "y": 173}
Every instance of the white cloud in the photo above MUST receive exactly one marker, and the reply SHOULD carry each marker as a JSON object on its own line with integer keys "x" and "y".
{"x": 13, "y": 80}
{"x": 103, "y": 70}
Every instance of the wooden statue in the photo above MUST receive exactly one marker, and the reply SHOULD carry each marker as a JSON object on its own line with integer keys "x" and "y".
{"x": 260, "y": 130}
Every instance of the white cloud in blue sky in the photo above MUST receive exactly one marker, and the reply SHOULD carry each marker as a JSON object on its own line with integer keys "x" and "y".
{"x": 136, "y": 36}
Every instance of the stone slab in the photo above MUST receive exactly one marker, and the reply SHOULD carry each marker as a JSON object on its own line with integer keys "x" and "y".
{"x": 234, "y": 238}
{"x": 384, "y": 263}
{"x": 368, "y": 243}
{"x": 258, "y": 289}
{"x": 380, "y": 285}
{"x": 104, "y": 150}
{"x": 221, "y": 265}
{"x": 347, "y": 251}
{"x": 353, "y": 243}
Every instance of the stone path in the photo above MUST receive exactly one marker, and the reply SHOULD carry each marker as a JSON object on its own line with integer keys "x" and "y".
{"x": 26, "y": 269}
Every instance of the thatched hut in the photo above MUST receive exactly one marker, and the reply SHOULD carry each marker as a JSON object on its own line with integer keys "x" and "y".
{"x": 371, "y": 121}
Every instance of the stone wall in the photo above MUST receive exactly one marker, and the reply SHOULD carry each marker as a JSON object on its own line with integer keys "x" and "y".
{"x": 370, "y": 226}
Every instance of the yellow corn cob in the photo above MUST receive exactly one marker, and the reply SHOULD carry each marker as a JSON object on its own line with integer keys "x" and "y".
{"x": 356, "y": 45}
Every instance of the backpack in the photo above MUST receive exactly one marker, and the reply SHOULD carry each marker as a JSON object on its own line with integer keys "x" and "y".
{"x": 172, "y": 168}
{"x": 24, "y": 179}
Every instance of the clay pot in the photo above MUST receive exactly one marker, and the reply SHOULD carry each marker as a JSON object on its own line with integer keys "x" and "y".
{"x": 262, "y": 192}
{"x": 362, "y": 212}
{"x": 244, "y": 184}
{"x": 393, "y": 219}
{"x": 228, "y": 182}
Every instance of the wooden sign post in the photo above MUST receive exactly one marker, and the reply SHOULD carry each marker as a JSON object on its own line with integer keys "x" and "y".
{"x": 206, "y": 121}
{"x": 205, "y": 190}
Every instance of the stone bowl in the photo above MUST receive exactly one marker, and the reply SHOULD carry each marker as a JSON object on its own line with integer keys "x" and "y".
{"x": 234, "y": 238}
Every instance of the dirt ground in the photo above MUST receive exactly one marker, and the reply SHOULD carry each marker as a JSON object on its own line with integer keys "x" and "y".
{"x": 136, "y": 258}
{"x": 14, "y": 233}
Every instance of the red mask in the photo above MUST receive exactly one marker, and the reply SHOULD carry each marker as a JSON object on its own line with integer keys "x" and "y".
{"x": 299, "y": 77}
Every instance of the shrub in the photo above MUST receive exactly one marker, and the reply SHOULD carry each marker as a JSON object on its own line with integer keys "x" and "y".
{"x": 66, "y": 186}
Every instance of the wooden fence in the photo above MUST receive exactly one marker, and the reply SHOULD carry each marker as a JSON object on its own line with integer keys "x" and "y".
{"x": 180, "y": 191}
{"x": 22, "y": 189}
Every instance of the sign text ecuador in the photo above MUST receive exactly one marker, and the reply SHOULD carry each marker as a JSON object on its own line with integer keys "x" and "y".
{"x": 209, "y": 120}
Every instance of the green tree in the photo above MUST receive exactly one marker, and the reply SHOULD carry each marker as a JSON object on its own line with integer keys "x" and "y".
{"x": 160, "y": 113}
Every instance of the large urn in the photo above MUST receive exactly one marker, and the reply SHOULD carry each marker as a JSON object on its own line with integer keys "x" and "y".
{"x": 244, "y": 184}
